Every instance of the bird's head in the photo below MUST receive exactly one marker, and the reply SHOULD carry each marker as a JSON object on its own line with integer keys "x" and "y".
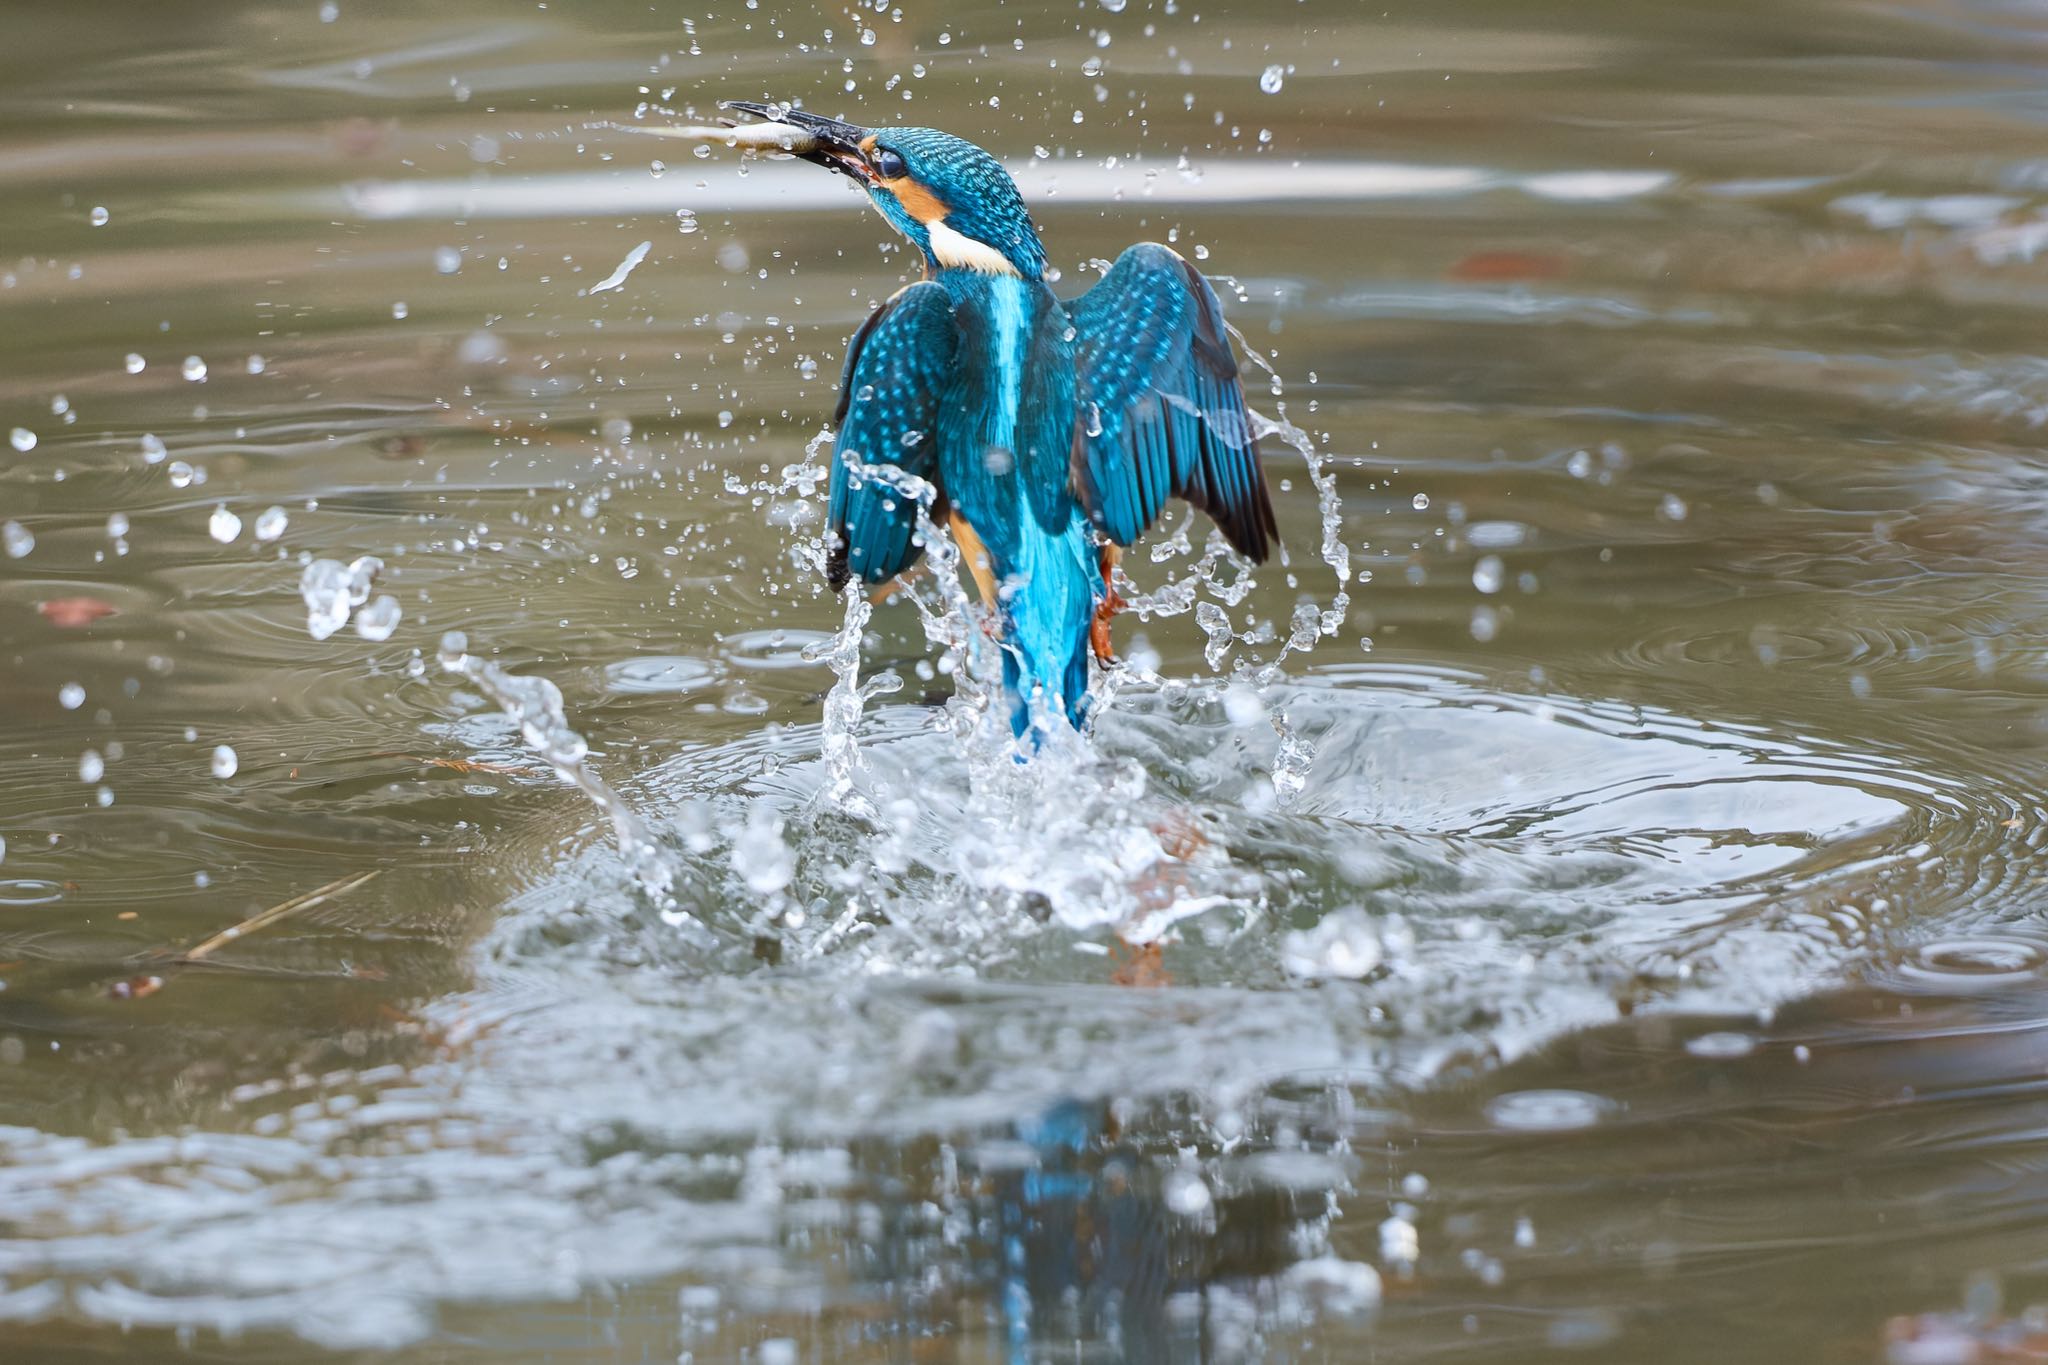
{"x": 953, "y": 201}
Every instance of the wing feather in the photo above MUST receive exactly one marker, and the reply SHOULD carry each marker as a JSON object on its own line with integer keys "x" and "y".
{"x": 1160, "y": 410}
{"x": 897, "y": 369}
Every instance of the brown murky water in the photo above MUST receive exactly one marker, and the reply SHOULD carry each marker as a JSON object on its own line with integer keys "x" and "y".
{"x": 1640, "y": 956}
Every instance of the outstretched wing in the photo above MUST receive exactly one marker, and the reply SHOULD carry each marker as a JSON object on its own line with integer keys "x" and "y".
{"x": 1160, "y": 411}
{"x": 897, "y": 366}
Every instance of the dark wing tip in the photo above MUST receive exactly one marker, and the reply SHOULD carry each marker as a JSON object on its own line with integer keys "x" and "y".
{"x": 1263, "y": 531}
{"x": 1249, "y": 528}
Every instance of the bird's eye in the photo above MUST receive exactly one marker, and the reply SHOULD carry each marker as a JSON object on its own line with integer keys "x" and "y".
{"x": 889, "y": 165}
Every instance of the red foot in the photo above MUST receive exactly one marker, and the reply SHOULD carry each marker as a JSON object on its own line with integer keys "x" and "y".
{"x": 1142, "y": 965}
{"x": 1105, "y": 610}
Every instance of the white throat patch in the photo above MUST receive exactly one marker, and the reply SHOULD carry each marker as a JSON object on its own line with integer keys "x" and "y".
{"x": 954, "y": 248}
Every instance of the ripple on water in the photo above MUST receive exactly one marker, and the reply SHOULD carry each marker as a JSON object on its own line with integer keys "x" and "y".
{"x": 777, "y": 648}
{"x": 1722, "y": 1045}
{"x": 661, "y": 673}
{"x": 1983, "y": 962}
{"x": 1548, "y": 1111}
{"x": 1526, "y": 865}
{"x": 23, "y": 892}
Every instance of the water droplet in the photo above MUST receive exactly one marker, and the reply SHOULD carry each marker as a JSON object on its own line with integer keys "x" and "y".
{"x": 16, "y": 539}
{"x": 134, "y": 363}
{"x": 71, "y": 696}
{"x": 362, "y": 572}
{"x": 153, "y": 450}
{"x": 91, "y": 767}
{"x": 224, "y": 761}
{"x": 1338, "y": 1289}
{"x": 1343, "y": 945}
{"x": 686, "y": 222}
{"x": 117, "y": 525}
{"x": 1113, "y": 6}
{"x": 1215, "y": 623}
{"x": 194, "y": 369}
{"x": 1420, "y": 502}
{"x": 98, "y": 216}
{"x": 22, "y": 439}
{"x": 324, "y": 588}
{"x": 181, "y": 475}
{"x": 447, "y": 260}
{"x": 271, "y": 522}
{"x": 1400, "y": 1243}
{"x": 1187, "y": 1194}
{"x": 1672, "y": 507}
{"x": 399, "y": 310}
{"x": 223, "y": 525}
{"x": 1242, "y": 705}
{"x": 1272, "y": 78}
{"x": 867, "y": 37}
{"x": 762, "y": 858}
{"x": 1487, "y": 574}
{"x": 255, "y": 364}
{"x": 329, "y": 12}
{"x": 379, "y": 619}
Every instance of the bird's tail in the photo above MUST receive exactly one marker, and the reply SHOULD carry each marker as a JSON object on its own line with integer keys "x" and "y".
{"x": 1051, "y": 604}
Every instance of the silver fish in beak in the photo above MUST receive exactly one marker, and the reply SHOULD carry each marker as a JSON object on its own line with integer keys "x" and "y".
{"x": 828, "y": 142}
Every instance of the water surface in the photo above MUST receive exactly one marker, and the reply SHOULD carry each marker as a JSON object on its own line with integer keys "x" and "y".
{"x": 1641, "y": 950}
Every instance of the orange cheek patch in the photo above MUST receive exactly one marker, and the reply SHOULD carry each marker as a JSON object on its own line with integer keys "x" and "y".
{"x": 924, "y": 206}
{"x": 867, "y": 144}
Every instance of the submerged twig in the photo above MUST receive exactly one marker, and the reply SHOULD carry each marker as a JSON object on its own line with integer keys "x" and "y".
{"x": 142, "y": 987}
{"x": 264, "y": 919}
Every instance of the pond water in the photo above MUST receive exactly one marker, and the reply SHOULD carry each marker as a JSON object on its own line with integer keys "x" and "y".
{"x": 1618, "y": 933}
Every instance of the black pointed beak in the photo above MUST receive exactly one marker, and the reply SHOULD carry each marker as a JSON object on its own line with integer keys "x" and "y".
{"x": 838, "y": 147}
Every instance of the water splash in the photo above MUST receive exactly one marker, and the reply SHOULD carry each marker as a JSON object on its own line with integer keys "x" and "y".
{"x": 1071, "y": 834}
{"x": 1309, "y": 624}
{"x": 332, "y": 590}
{"x": 839, "y": 738}
{"x": 534, "y": 704}
{"x": 1291, "y": 762}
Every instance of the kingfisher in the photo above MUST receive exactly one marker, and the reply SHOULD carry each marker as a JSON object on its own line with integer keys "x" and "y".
{"x": 1047, "y": 434}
